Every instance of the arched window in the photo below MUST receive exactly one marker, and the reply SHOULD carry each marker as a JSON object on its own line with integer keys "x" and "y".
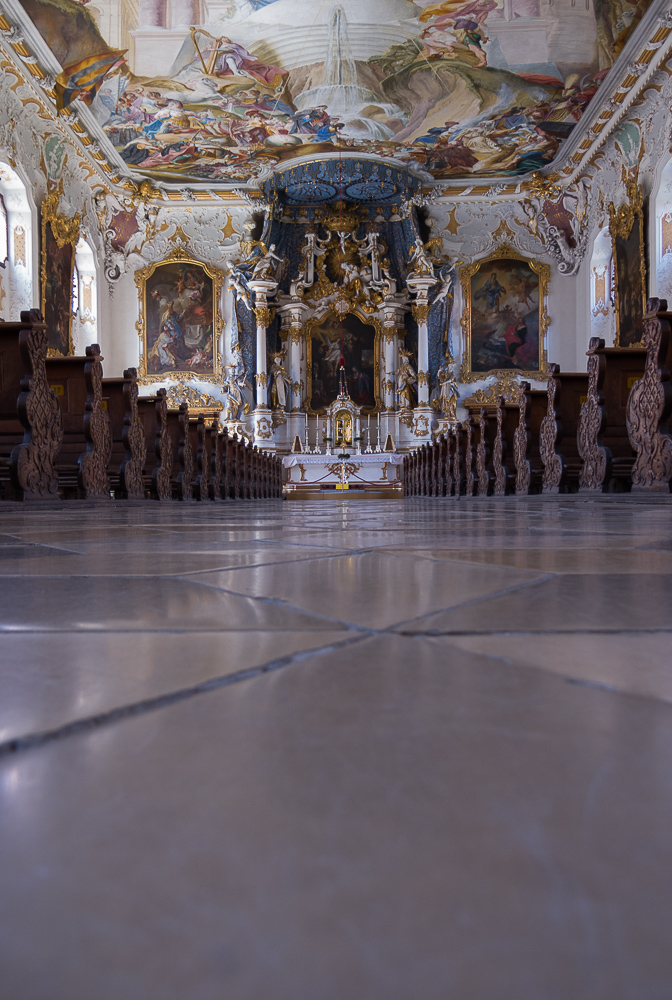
{"x": 4, "y": 234}
{"x": 84, "y": 298}
{"x": 16, "y": 246}
{"x": 602, "y": 312}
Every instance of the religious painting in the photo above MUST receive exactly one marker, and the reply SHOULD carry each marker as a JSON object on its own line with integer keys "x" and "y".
{"x": 360, "y": 353}
{"x": 180, "y": 319}
{"x": 505, "y": 319}
{"x": 59, "y": 240}
{"x": 458, "y": 87}
{"x": 627, "y": 238}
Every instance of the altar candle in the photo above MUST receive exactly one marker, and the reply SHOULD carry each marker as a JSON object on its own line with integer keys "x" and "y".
{"x": 378, "y": 442}
{"x": 306, "y": 430}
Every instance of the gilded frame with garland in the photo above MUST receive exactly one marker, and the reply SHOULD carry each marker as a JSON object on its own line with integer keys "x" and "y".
{"x": 626, "y": 224}
{"x": 543, "y": 272}
{"x": 180, "y": 256}
{"x": 65, "y": 232}
{"x": 367, "y": 320}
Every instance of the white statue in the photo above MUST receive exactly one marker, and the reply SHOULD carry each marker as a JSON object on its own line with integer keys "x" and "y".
{"x": 419, "y": 261}
{"x": 234, "y": 384}
{"x": 280, "y": 383}
{"x": 448, "y": 391}
{"x": 406, "y": 379}
{"x": 264, "y": 269}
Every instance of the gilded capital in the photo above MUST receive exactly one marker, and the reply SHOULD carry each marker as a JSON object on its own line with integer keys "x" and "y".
{"x": 264, "y": 315}
{"x": 420, "y": 312}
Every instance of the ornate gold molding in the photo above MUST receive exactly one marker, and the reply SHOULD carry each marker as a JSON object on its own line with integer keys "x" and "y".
{"x": 621, "y": 222}
{"x": 508, "y": 387}
{"x": 420, "y": 312}
{"x": 507, "y": 252}
{"x": 264, "y": 316}
{"x": 180, "y": 255}
{"x": 65, "y": 231}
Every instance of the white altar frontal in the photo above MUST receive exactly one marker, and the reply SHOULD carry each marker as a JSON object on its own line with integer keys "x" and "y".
{"x": 369, "y": 476}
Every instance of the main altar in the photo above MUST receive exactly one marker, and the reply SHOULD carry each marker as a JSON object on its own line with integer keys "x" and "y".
{"x": 341, "y": 347}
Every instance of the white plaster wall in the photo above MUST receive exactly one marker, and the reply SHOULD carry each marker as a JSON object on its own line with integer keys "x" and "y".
{"x": 19, "y": 279}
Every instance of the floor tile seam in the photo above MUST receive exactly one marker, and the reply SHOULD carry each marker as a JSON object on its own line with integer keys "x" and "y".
{"x": 33, "y": 629}
{"x": 532, "y": 633}
{"x": 28, "y": 741}
{"x": 276, "y": 602}
{"x": 477, "y": 600}
{"x": 567, "y": 678}
{"x": 254, "y": 566}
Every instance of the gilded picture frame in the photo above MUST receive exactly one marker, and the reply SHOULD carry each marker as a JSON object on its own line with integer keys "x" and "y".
{"x": 317, "y": 322}
{"x": 626, "y": 227}
{"x": 60, "y": 236}
{"x": 180, "y": 320}
{"x": 504, "y": 319}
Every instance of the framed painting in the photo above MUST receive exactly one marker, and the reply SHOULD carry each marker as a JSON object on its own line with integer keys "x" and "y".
{"x": 504, "y": 318}
{"x": 361, "y": 352}
{"x": 626, "y": 226}
{"x": 59, "y": 240}
{"x": 180, "y": 319}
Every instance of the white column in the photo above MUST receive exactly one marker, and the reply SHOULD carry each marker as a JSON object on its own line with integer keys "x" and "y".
{"x": 263, "y": 315}
{"x": 420, "y": 314}
{"x": 294, "y": 343}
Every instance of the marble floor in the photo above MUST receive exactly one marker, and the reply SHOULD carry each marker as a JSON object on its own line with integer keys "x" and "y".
{"x": 340, "y": 750}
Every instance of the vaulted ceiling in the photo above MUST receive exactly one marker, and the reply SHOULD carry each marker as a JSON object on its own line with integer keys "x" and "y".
{"x": 482, "y": 88}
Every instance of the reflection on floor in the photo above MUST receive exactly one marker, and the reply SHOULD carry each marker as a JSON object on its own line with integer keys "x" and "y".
{"x": 346, "y": 751}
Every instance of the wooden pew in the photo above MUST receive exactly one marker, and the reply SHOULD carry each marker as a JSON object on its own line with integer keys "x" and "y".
{"x": 469, "y": 473}
{"x": 550, "y": 437}
{"x": 185, "y": 456}
{"x": 484, "y": 474}
{"x": 129, "y": 447}
{"x": 650, "y": 406}
{"x": 83, "y": 459}
{"x": 31, "y": 423}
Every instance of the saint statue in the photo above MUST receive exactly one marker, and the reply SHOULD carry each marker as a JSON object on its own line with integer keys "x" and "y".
{"x": 280, "y": 383}
{"x": 234, "y": 384}
{"x": 406, "y": 379}
{"x": 448, "y": 391}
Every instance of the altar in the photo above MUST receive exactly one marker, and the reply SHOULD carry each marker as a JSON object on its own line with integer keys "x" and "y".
{"x": 372, "y": 475}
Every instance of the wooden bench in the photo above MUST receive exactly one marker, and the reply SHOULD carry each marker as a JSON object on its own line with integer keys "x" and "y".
{"x": 83, "y": 459}
{"x": 31, "y": 424}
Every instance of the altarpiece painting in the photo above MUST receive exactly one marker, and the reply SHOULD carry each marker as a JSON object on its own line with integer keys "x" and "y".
{"x": 360, "y": 352}
{"x": 180, "y": 319}
{"x": 505, "y": 317}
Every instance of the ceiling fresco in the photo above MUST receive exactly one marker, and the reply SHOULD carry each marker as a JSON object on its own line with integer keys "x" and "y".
{"x": 481, "y": 88}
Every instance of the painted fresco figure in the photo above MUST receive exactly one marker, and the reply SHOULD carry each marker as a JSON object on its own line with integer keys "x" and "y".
{"x": 492, "y": 292}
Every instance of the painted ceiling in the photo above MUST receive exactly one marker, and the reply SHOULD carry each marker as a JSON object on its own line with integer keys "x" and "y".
{"x": 482, "y": 87}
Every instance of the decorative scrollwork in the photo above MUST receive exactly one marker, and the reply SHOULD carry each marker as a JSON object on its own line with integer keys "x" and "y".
{"x": 592, "y": 418}
{"x": 163, "y": 449}
{"x": 482, "y": 472}
{"x": 498, "y": 451}
{"x": 32, "y": 461}
{"x": 93, "y": 464}
{"x": 134, "y": 440}
{"x": 650, "y": 405}
{"x": 521, "y": 443}
{"x": 186, "y": 454}
{"x": 549, "y": 438}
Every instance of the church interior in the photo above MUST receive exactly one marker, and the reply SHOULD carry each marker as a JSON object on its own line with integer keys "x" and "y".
{"x": 335, "y": 513}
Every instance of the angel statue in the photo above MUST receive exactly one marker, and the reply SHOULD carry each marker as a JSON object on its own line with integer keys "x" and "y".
{"x": 280, "y": 383}
{"x": 264, "y": 268}
{"x": 406, "y": 379}
{"x": 419, "y": 261}
{"x": 448, "y": 391}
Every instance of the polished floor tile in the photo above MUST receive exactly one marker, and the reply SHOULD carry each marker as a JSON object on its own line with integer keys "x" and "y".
{"x": 138, "y": 603}
{"x": 418, "y": 821}
{"x": 336, "y": 749}
{"x": 372, "y": 589}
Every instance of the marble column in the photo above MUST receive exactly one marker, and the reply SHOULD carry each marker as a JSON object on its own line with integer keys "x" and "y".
{"x": 263, "y": 425}
{"x": 420, "y": 315}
